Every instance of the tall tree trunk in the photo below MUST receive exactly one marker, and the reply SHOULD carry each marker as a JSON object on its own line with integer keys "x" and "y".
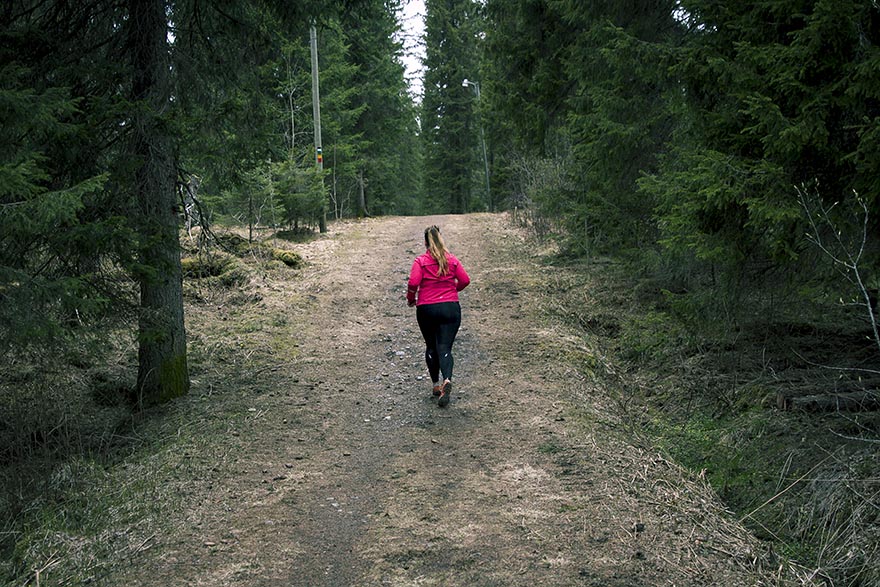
{"x": 162, "y": 368}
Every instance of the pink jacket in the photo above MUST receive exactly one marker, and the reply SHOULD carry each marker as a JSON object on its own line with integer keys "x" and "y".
{"x": 433, "y": 288}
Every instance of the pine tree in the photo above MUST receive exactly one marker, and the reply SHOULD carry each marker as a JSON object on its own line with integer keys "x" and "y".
{"x": 162, "y": 366}
{"x": 384, "y": 125}
{"x": 449, "y": 127}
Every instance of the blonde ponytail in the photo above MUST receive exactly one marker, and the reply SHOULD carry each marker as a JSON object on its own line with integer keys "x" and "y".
{"x": 437, "y": 248}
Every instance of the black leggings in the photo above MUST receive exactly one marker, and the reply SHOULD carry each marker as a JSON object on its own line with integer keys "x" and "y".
{"x": 439, "y": 324}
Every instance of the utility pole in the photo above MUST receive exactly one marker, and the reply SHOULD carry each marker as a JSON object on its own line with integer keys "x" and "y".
{"x": 316, "y": 114}
{"x": 476, "y": 85}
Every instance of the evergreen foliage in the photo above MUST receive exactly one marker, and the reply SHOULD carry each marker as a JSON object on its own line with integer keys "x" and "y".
{"x": 57, "y": 221}
{"x": 728, "y": 152}
{"x": 302, "y": 193}
{"x": 388, "y": 160}
{"x": 526, "y": 44}
{"x": 90, "y": 137}
{"x": 620, "y": 117}
{"x": 449, "y": 127}
{"x": 684, "y": 127}
{"x": 674, "y": 133}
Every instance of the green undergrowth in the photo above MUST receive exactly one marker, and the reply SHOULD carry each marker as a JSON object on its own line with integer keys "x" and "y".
{"x": 89, "y": 484}
{"x": 229, "y": 260}
{"x": 76, "y": 510}
{"x": 703, "y": 389}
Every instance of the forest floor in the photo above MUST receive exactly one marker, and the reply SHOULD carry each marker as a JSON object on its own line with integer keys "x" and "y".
{"x": 592, "y": 439}
{"x": 325, "y": 460}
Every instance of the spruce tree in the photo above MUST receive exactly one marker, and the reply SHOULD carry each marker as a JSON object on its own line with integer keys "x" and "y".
{"x": 40, "y": 276}
{"x": 59, "y": 217}
{"x": 162, "y": 366}
{"x": 620, "y": 115}
{"x": 526, "y": 45}
{"x": 384, "y": 123}
{"x": 449, "y": 126}
{"x": 778, "y": 93}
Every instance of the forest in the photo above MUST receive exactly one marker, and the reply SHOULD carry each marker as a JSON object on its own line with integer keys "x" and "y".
{"x": 715, "y": 165}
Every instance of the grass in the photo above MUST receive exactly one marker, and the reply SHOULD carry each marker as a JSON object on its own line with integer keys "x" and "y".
{"x": 74, "y": 517}
{"x": 84, "y": 517}
{"x": 550, "y": 448}
{"x": 86, "y": 483}
{"x": 730, "y": 451}
{"x": 703, "y": 391}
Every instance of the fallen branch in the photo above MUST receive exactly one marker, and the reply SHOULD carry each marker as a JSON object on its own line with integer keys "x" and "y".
{"x": 833, "y": 368}
{"x": 856, "y": 401}
{"x": 856, "y": 438}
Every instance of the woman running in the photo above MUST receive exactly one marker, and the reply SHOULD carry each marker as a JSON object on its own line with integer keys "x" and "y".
{"x": 437, "y": 277}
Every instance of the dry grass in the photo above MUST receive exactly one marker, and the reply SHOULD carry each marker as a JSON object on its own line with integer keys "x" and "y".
{"x": 86, "y": 483}
{"x": 806, "y": 483}
{"x": 124, "y": 482}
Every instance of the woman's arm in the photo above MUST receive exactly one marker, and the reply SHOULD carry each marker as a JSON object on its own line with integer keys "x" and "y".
{"x": 415, "y": 279}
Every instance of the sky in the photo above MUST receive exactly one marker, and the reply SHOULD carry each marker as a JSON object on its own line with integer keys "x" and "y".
{"x": 412, "y": 19}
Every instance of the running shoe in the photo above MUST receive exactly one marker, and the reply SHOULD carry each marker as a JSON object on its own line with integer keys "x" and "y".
{"x": 445, "y": 393}
{"x": 437, "y": 390}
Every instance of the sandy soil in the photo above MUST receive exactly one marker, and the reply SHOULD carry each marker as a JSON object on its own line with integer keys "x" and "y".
{"x": 351, "y": 475}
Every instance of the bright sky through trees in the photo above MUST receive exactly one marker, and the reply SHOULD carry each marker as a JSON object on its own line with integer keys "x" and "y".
{"x": 412, "y": 17}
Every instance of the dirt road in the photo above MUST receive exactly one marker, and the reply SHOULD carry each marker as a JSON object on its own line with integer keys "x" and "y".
{"x": 350, "y": 475}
